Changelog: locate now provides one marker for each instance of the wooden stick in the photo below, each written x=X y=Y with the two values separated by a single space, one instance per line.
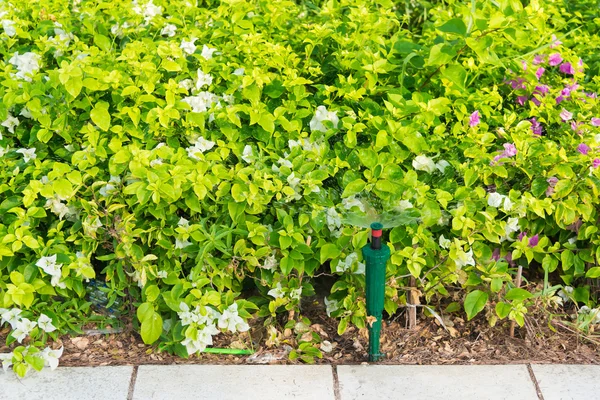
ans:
x=412 y=301
x=518 y=284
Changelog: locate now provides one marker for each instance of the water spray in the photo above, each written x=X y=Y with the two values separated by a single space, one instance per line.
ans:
x=376 y=257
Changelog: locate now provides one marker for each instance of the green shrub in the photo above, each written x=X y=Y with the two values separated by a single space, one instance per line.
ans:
x=205 y=160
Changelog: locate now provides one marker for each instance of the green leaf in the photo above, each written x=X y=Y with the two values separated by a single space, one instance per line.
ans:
x=456 y=74
x=430 y=213
x=593 y=272
x=455 y=25
x=329 y=251
x=503 y=309
x=475 y=303
x=152 y=293
x=440 y=54
x=518 y=294
x=145 y=311
x=151 y=328
x=102 y=42
x=567 y=259
x=100 y=115
x=353 y=188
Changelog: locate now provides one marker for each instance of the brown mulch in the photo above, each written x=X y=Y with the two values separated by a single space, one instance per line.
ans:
x=460 y=342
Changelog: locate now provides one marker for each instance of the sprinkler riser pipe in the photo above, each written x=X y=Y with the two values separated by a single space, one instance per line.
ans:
x=375 y=260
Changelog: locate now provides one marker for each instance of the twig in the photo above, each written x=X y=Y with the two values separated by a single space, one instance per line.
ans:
x=413 y=300
x=518 y=284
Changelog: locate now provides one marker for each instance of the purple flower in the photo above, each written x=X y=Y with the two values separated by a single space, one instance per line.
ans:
x=552 y=181
x=554 y=59
x=555 y=42
x=566 y=115
x=596 y=163
x=508 y=258
x=509 y=150
x=521 y=100
x=537 y=60
x=559 y=99
x=496 y=254
x=536 y=127
x=592 y=95
x=474 y=118
x=536 y=101
x=575 y=126
x=518 y=83
x=521 y=235
x=575 y=226
x=542 y=89
x=540 y=71
x=583 y=148
x=595 y=121
x=534 y=240
x=566 y=68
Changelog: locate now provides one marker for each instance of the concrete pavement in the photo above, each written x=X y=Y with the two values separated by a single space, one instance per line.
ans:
x=320 y=382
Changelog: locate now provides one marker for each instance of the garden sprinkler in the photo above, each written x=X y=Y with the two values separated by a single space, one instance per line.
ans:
x=376 y=257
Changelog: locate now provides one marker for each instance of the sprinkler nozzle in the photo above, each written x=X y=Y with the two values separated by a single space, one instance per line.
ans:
x=376 y=231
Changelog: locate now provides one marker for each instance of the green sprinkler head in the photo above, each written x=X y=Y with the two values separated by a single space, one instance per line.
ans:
x=376 y=257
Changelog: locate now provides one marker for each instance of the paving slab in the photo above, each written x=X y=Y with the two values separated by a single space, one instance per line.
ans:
x=433 y=382
x=565 y=382
x=224 y=382
x=68 y=383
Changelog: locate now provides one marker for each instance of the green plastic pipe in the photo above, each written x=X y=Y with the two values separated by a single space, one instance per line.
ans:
x=215 y=350
x=376 y=257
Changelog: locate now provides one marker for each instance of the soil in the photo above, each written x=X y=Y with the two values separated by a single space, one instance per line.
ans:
x=459 y=342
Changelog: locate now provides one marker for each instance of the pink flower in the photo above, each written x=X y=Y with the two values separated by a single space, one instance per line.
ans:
x=509 y=150
x=583 y=148
x=521 y=100
x=539 y=72
x=518 y=83
x=566 y=68
x=537 y=60
x=559 y=99
x=555 y=42
x=534 y=240
x=565 y=115
x=496 y=254
x=595 y=121
x=521 y=236
x=575 y=126
x=474 y=119
x=536 y=127
x=542 y=89
x=536 y=101
x=554 y=59
x=552 y=181
x=596 y=163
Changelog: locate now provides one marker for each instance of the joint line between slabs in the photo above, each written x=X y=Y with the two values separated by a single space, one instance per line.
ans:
x=535 y=382
x=336 y=383
x=132 y=382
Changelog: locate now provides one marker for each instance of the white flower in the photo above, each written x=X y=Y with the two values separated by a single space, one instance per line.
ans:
x=333 y=219
x=423 y=163
x=3 y=150
x=508 y=205
x=231 y=321
x=45 y=323
x=58 y=208
x=351 y=202
x=25 y=112
x=186 y=84
x=348 y=262
x=49 y=266
x=228 y=98
x=11 y=316
x=168 y=30
x=27 y=64
x=28 y=154
x=444 y=243
x=239 y=72
x=441 y=165
x=51 y=357
x=331 y=306
x=188 y=47
x=204 y=338
x=463 y=258
x=9 y=27
x=200 y=146
x=296 y=293
x=207 y=52
x=285 y=163
x=184 y=223
x=565 y=292
x=149 y=10
x=107 y=190
x=10 y=123
x=203 y=80
x=162 y=274
x=270 y=263
x=495 y=199
x=512 y=225
x=292 y=180
x=24 y=327
x=6 y=359
x=404 y=205
x=276 y=292
x=321 y=114
x=247 y=154
x=202 y=101
x=182 y=244
x=156 y=162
